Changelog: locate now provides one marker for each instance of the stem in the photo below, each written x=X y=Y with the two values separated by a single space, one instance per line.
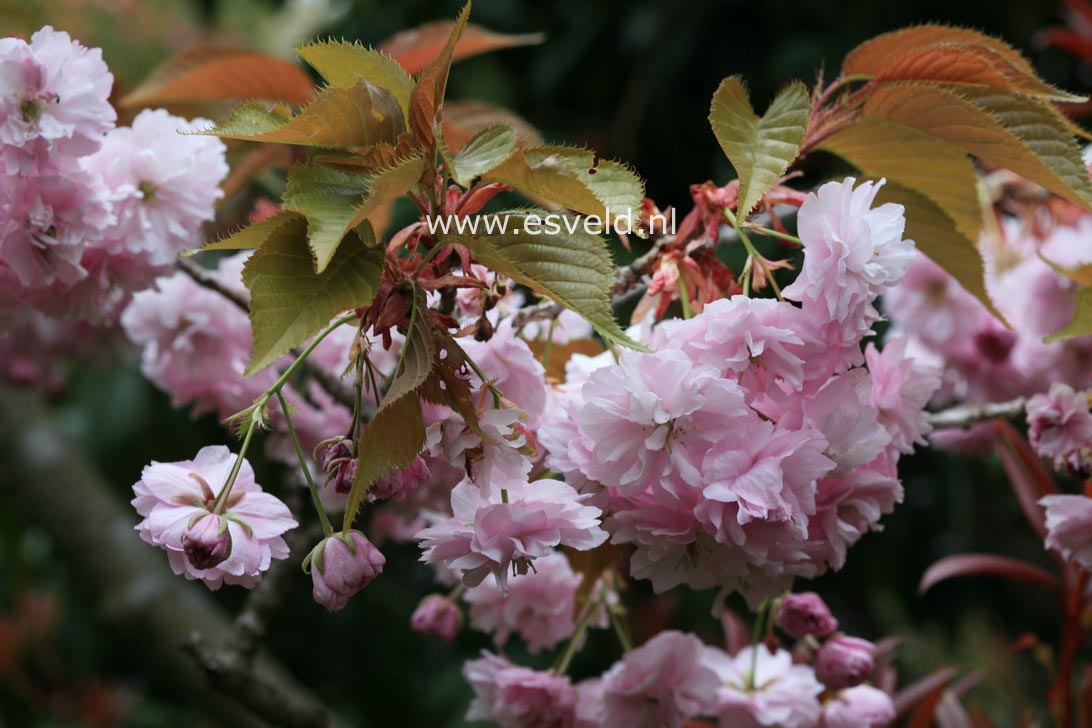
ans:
x=221 y=498
x=327 y=529
x=756 y=639
x=548 y=347
x=578 y=637
x=481 y=375
x=684 y=297
x=775 y=234
x=728 y=214
x=504 y=495
x=287 y=374
x=1062 y=691
x=620 y=630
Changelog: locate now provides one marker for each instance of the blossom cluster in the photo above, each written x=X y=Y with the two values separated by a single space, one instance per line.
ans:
x=674 y=678
x=758 y=442
x=89 y=212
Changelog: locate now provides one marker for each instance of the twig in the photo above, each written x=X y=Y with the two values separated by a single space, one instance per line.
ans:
x=966 y=415
x=333 y=385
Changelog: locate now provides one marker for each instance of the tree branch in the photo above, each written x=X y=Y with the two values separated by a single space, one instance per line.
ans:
x=133 y=590
x=966 y=415
x=336 y=388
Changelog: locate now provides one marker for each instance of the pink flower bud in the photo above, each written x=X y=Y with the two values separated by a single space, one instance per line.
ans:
x=341 y=565
x=844 y=662
x=207 y=542
x=437 y=615
x=805 y=614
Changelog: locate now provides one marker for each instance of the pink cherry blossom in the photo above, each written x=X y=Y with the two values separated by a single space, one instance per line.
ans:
x=843 y=662
x=195 y=346
x=1060 y=427
x=508 y=362
x=162 y=182
x=901 y=387
x=862 y=706
x=805 y=614
x=649 y=421
x=488 y=535
x=660 y=684
x=518 y=697
x=174 y=497
x=437 y=615
x=495 y=462
x=540 y=605
x=851 y=250
x=759 y=688
x=341 y=565
x=1069 y=527
x=931 y=305
x=54 y=103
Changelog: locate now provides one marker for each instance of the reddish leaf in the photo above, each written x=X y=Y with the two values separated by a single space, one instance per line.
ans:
x=986 y=564
x=932 y=684
x=462 y=119
x=870 y=57
x=427 y=97
x=416 y=48
x=1029 y=479
x=219 y=74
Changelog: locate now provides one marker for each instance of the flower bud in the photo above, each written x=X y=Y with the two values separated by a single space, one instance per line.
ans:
x=341 y=565
x=844 y=662
x=437 y=615
x=805 y=614
x=207 y=542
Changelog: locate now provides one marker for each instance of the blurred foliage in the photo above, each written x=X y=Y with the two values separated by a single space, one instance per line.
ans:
x=631 y=80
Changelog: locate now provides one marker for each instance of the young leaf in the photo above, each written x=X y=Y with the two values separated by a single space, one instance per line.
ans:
x=971 y=65
x=428 y=95
x=346 y=64
x=415 y=49
x=483 y=152
x=390 y=440
x=387 y=185
x=570 y=266
x=932 y=167
x=1081 y=323
x=250 y=237
x=1021 y=137
x=449 y=383
x=396 y=434
x=935 y=234
x=327 y=198
x=986 y=564
x=289 y=302
x=760 y=149
x=221 y=74
x=576 y=179
x=358 y=116
x=872 y=56
x=463 y=119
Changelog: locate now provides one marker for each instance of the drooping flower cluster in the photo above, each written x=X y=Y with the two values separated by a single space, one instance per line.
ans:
x=987 y=360
x=754 y=446
x=90 y=213
x=219 y=540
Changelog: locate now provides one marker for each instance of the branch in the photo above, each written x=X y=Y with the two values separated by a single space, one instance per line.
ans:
x=966 y=415
x=131 y=588
x=337 y=389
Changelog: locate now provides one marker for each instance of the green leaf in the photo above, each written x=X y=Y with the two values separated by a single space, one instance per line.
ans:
x=1081 y=323
x=427 y=98
x=328 y=199
x=576 y=179
x=761 y=149
x=1005 y=130
x=916 y=160
x=345 y=64
x=571 y=266
x=250 y=237
x=483 y=152
x=935 y=234
x=396 y=434
x=387 y=185
x=358 y=116
x=335 y=202
x=390 y=440
x=289 y=302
